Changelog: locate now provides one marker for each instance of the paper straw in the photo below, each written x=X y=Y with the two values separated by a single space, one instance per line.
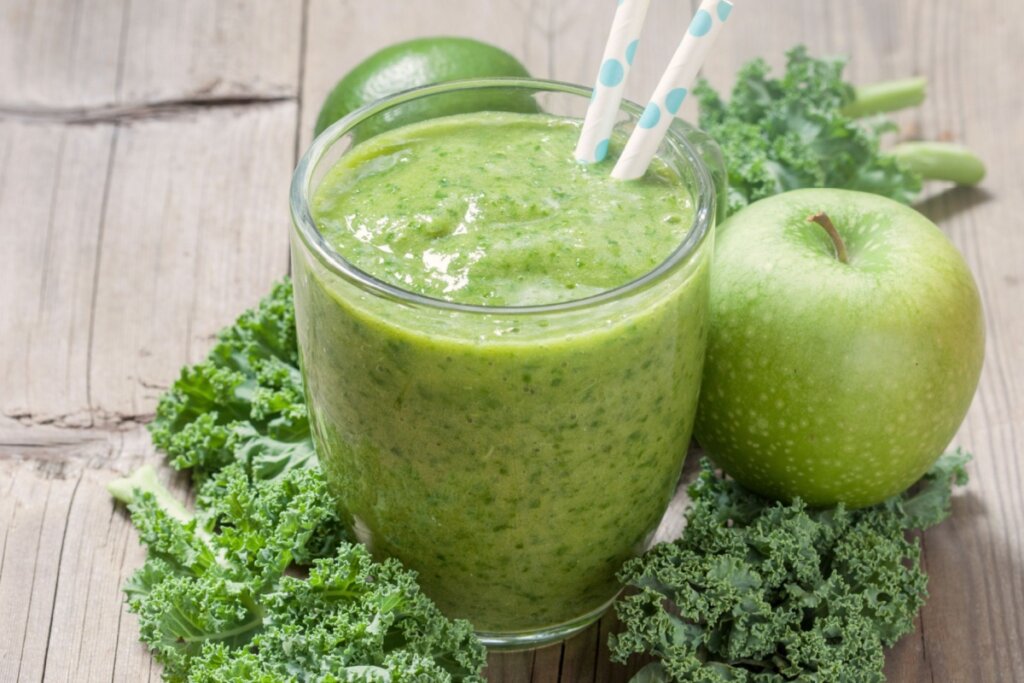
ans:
x=611 y=79
x=672 y=89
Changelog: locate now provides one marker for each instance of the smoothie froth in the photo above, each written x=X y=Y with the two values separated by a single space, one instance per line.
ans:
x=489 y=209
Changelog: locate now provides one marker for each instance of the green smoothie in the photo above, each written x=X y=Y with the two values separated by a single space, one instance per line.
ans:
x=512 y=452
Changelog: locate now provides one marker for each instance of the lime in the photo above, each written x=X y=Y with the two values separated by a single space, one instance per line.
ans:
x=420 y=62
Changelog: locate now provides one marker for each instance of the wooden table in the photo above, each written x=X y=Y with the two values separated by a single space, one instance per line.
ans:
x=145 y=152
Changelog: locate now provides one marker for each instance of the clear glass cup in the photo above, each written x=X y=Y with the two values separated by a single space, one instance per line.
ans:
x=514 y=457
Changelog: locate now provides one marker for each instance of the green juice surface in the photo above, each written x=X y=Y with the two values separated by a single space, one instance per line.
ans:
x=515 y=460
x=495 y=210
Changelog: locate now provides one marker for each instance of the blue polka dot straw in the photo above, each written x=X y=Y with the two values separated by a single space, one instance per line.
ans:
x=672 y=89
x=619 y=52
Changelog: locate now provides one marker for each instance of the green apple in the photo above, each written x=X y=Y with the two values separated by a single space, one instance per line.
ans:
x=832 y=376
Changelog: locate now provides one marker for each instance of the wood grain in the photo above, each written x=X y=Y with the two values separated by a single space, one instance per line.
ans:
x=129 y=239
x=52 y=183
x=66 y=550
x=62 y=57
x=198 y=199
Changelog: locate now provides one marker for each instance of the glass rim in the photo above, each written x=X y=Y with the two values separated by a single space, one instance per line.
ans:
x=302 y=217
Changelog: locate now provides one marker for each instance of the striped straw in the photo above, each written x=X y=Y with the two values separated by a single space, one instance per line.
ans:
x=611 y=79
x=672 y=89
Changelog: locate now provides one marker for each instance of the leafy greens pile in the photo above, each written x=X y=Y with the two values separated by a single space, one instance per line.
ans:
x=805 y=130
x=262 y=583
x=762 y=592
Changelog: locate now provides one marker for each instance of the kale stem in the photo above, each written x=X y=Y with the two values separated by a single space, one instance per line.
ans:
x=886 y=96
x=144 y=480
x=129 y=489
x=822 y=219
x=940 y=161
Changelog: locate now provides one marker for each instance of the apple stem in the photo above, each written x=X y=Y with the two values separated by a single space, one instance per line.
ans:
x=822 y=219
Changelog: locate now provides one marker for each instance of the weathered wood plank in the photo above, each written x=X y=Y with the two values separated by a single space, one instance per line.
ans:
x=547 y=664
x=66 y=552
x=70 y=54
x=98 y=552
x=58 y=53
x=234 y=49
x=195 y=231
x=579 y=656
x=510 y=666
x=130 y=246
x=32 y=554
x=52 y=181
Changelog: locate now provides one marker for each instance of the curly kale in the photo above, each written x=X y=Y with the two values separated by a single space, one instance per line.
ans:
x=802 y=130
x=762 y=592
x=219 y=597
x=245 y=402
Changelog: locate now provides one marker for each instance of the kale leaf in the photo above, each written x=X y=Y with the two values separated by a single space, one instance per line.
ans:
x=792 y=132
x=245 y=402
x=757 y=591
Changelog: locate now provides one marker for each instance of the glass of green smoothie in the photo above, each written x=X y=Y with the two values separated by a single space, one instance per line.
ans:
x=502 y=347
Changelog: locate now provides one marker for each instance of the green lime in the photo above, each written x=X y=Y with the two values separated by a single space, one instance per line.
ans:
x=420 y=62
